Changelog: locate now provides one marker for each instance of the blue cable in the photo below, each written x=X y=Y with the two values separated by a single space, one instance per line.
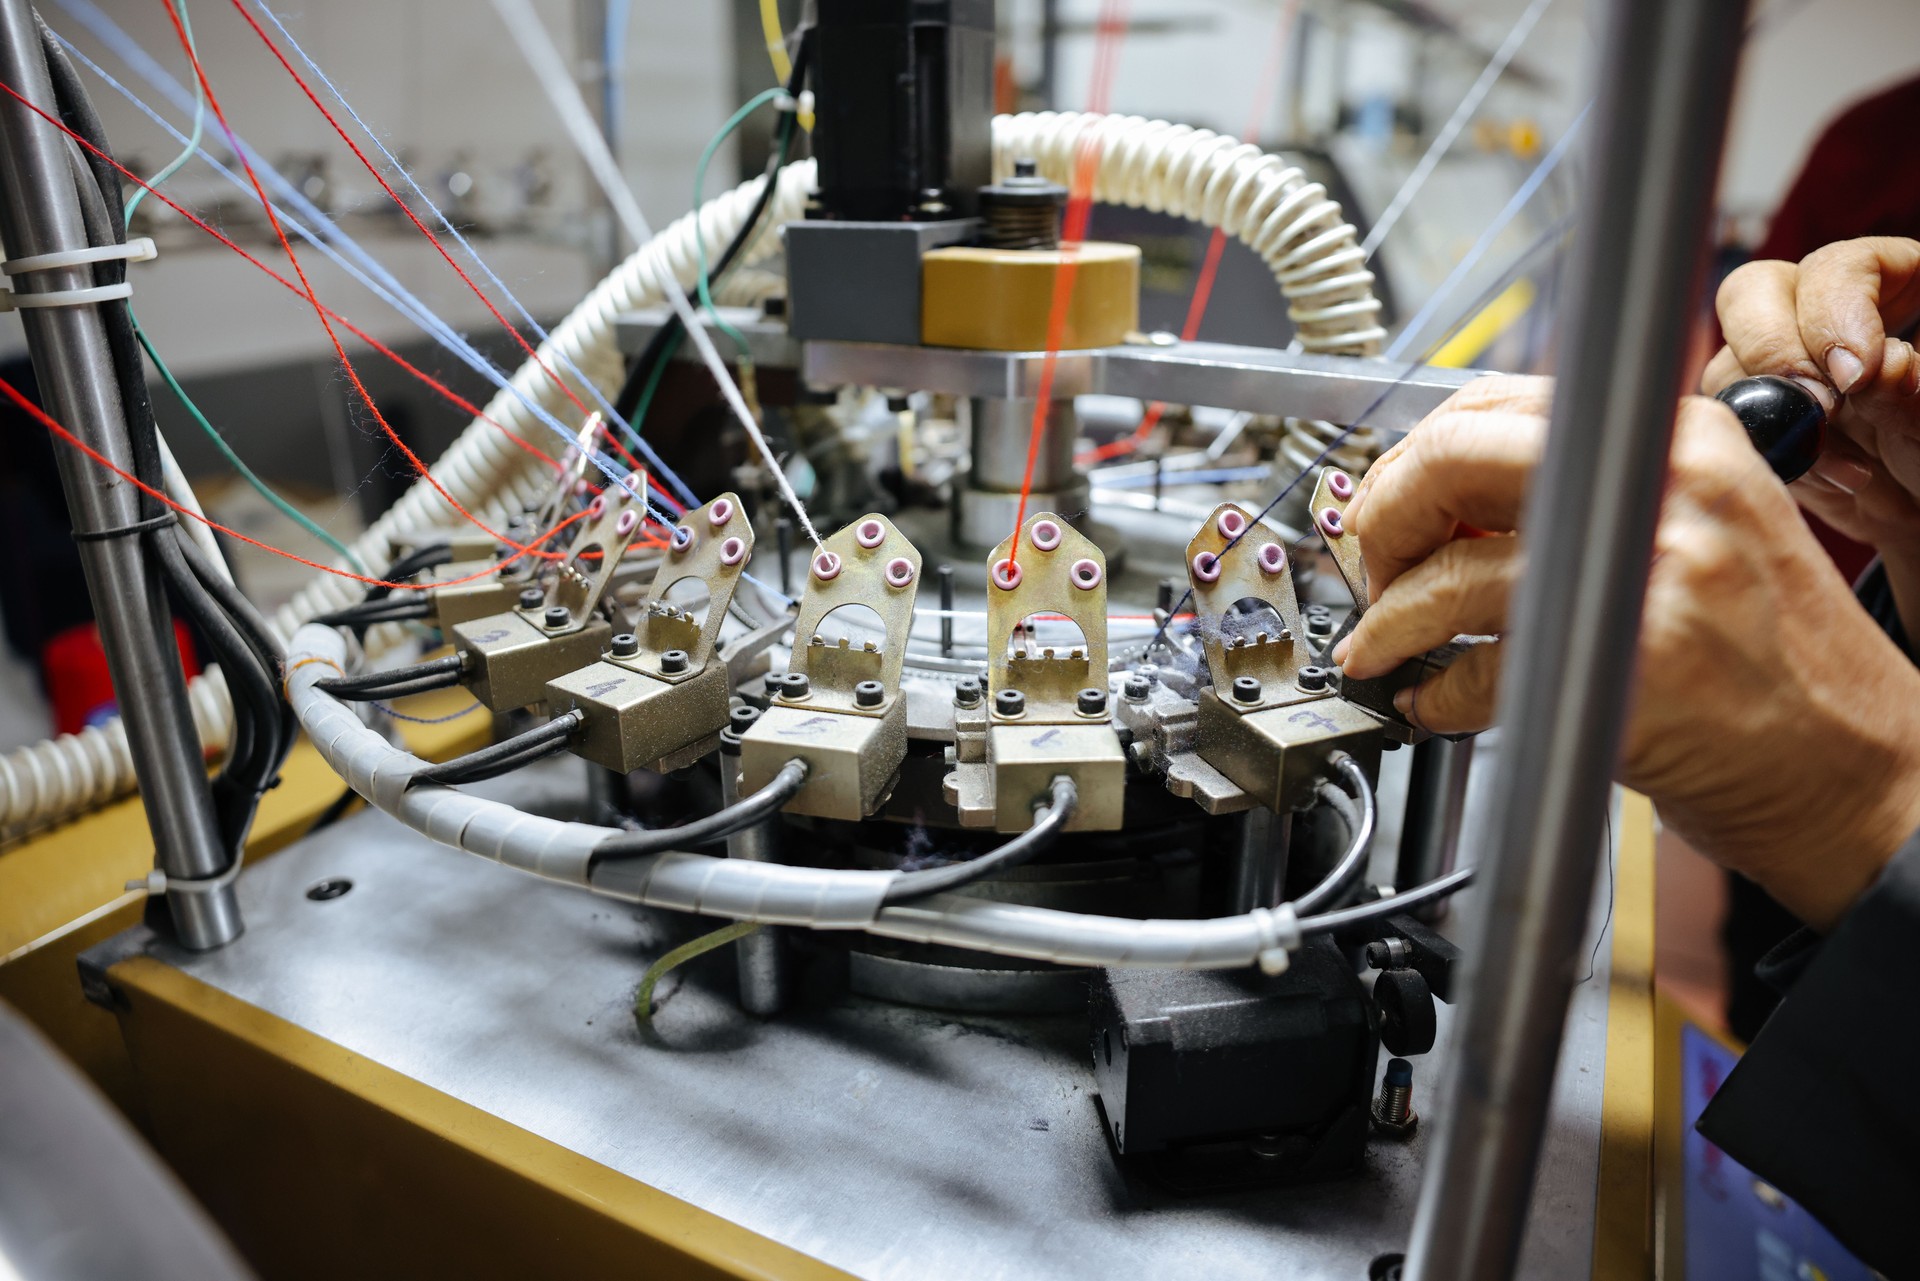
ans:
x=365 y=269
x=395 y=296
x=612 y=415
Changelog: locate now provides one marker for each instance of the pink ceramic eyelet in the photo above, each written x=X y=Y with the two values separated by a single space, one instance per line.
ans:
x=1231 y=523
x=899 y=572
x=870 y=534
x=1273 y=559
x=1331 y=524
x=1007 y=575
x=1206 y=567
x=597 y=508
x=1340 y=485
x=733 y=551
x=682 y=538
x=629 y=520
x=720 y=513
x=1045 y=535
x=1086 y=574
x=826 y=567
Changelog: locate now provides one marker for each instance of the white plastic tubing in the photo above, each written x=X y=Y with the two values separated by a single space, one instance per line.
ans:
x=739 y=888
x=1193 y=173
x=1294 y=225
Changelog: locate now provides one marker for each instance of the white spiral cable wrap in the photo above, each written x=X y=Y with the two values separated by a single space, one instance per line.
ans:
x=491 y=476
x=1296 y=228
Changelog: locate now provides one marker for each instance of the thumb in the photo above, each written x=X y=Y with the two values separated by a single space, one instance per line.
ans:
x=1460 y=700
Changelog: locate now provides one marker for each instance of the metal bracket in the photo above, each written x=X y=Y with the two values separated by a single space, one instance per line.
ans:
x=578 y=583
x=712 y=545
x=1231 y=560
x=1331 y=494
x=1058 y=570
x=870 y=563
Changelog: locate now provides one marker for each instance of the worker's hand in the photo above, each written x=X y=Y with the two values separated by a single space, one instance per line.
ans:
x=1826 y=323
x=1775 y=726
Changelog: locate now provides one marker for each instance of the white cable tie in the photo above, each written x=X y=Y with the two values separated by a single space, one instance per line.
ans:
x=153 y=883
x=10 y=301
x=1279 y=930
x=139 y=249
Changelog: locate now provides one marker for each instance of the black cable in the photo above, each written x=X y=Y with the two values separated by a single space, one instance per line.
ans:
x=1391 y=905
x=418 y=678
x=743 y=813
x=424 y=557
x=1360 y=822
x=1050 y=817
x=267 y=654
x=506 y=755
x=666 y=340
x=360 y=617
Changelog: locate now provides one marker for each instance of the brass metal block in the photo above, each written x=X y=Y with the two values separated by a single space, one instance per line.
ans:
x=1279 y=755
x=461 y=602
x=1026 y=758
x=634 y=720
x=853 y=759
x=1001 y=299
x=510 y=658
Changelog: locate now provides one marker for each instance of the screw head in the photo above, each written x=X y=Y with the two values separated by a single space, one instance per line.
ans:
x=741 y=718
x=795 y=685
x=673 y=662
x=1246 y=689
x=625 y=645
x=557 y=616
x=1313 y=678
x=1010 y=702
x=869 y=694
x=1319 y=624
x=967 y=693
x=331 y=888
x=1137 y=689
x=531 y=597
x=1091 y=702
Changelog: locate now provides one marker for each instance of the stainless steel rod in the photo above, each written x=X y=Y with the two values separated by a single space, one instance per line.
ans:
x=765 y=972
x=39 y=214
x=1663 y=88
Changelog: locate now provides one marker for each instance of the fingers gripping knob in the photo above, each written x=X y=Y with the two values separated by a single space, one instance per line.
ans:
x=1782 y=419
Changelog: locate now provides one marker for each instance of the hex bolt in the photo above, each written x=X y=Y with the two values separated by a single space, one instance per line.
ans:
x=1091 y=702
x=626 y=645
x=1393 y=1112
x=967 y=693
x=673 y=662
x=1010 y=702
x=558 y=616
x=531 y=597
x=796 y=685
x=869 y=694
x=1246 y=689
x=1137 y=689
x=1313 y=679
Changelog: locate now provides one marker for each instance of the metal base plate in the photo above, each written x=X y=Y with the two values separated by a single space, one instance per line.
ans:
x=892 y=1142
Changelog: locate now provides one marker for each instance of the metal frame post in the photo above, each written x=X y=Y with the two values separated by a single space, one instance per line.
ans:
x=1664 y=86
x=39 y=214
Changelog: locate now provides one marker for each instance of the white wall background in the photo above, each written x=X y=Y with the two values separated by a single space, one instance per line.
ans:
x=448 y=93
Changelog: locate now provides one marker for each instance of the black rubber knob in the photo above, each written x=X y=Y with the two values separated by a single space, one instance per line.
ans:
x=1783 y=420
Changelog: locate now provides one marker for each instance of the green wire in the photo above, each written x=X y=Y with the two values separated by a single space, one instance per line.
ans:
x=246 y=473
x=699 y=183
x=260 y=487
x=643 y=997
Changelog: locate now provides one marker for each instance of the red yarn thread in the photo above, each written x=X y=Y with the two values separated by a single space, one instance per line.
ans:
x=413 y=218
x=1112 y=30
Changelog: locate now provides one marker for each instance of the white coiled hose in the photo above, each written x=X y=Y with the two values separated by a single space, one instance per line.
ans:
x=1294 y=225
x=1296 y=228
